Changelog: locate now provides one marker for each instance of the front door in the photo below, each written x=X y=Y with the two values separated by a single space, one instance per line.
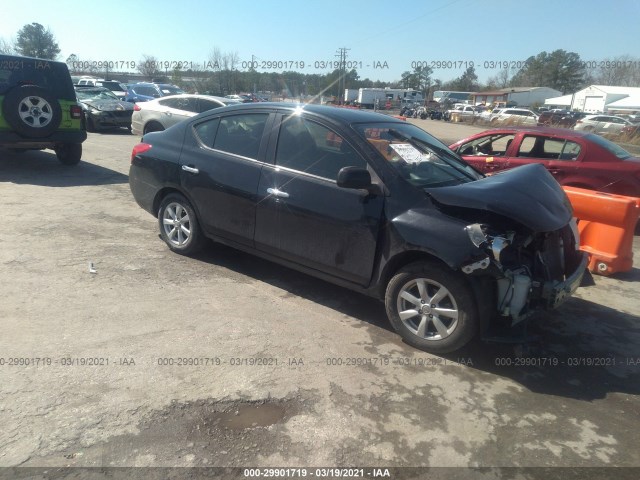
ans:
x=303 y=216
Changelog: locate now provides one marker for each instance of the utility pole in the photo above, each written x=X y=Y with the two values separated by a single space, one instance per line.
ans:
x=253 y=59
x=342 y=53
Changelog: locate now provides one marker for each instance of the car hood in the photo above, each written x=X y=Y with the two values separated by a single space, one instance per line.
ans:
x=109 y=105
x=528 y=194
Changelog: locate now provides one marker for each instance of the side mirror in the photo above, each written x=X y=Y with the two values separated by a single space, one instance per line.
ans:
x=354 y=177
x=358 y=178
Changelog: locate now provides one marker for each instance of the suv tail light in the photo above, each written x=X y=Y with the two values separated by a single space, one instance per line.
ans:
x=138 y=149
x=136 y=108
x=75 y=111
x=579 y=121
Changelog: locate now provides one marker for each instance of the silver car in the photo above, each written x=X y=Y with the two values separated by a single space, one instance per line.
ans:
x=161 y=113
x=519 y=116
x=601 y=124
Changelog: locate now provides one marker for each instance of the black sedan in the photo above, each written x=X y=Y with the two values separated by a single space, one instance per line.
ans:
x=103 y=109
x=368 y=202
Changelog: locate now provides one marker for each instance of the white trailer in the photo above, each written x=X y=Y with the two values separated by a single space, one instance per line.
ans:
x=350 y=95
x=395 y=96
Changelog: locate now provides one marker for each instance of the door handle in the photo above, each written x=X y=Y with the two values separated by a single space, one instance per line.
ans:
x=277 y=193
x=190 y=169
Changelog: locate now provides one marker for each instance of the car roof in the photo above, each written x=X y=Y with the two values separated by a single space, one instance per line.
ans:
x=90 y=88
x=20 y=57
x=194 y=95
x=562 y=132
x=345 y=115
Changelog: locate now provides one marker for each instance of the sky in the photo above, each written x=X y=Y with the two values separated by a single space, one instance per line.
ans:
x=383 y=38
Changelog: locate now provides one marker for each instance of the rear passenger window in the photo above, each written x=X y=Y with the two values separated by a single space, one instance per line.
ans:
x=309 y=147
x=570 y=151
x=241 y=134
x=206 y=131
x=548 y=148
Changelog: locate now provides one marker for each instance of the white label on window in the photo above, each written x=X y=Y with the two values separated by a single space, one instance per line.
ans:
x=409 y=153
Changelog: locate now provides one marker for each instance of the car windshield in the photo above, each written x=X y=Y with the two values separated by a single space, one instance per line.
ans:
x=619 y=152
x=114 y=86
x=93 y=95
x=420 y=159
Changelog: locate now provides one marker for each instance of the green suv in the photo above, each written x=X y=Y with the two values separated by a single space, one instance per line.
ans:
x=39 y=109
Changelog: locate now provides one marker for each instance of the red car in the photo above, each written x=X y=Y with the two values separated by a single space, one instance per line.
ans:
x=575 y=158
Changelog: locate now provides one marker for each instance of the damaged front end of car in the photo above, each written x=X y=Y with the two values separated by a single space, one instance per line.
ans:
x=525 y=238
x=532 y=270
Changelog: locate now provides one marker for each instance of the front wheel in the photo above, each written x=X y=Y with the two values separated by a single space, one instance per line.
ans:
x=432 y=308
x=179 y=227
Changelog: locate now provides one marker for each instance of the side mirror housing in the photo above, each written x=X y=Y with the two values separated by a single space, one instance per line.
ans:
x=358 y=178
x=354 y=177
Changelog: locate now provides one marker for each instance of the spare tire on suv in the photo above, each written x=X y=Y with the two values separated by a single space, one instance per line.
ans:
x=39 y=108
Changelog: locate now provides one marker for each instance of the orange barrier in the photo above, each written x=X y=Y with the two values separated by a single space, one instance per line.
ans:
x=606 y=224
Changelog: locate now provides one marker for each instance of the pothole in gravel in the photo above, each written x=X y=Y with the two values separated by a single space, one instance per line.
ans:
x=249 y=416
x=196 y=433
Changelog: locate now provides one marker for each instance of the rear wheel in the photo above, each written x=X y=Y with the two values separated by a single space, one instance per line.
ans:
x=432 y=308
x=152 y=127
x=69 y=153
x=179 y=227
x=91 y=126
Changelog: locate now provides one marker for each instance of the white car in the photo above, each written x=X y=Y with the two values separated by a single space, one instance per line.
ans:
x=488 y=115
x=161 y=113
x=602 y=124
x=463 y=112
x=520 y=116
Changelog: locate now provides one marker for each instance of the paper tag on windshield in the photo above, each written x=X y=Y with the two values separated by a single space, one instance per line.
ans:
x=409 y=153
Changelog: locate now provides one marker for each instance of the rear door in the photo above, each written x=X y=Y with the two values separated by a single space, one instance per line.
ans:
x=557 y=155
x=221 y=163
x=177 y=109
x=303 y=216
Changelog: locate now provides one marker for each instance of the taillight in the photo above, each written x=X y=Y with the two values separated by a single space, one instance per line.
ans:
x=139 y=149
x=75 y=111
x=579 y=121
x=136 y=108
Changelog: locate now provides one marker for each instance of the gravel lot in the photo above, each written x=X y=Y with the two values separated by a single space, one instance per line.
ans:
x=228 y=360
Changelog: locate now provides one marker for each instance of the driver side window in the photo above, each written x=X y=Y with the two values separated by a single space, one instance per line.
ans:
x=312 y=148
x=494 y=145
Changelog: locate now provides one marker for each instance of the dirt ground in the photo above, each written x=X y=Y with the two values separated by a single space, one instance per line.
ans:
x=116 y=352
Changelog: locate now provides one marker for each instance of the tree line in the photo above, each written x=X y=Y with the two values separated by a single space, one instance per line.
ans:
x=562 y=70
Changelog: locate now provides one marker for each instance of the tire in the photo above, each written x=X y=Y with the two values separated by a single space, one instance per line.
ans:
x=443 y=328
x=69 y=153
x=91 y=126
x=152 y=127
x=175 y=210
x=32 y=111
